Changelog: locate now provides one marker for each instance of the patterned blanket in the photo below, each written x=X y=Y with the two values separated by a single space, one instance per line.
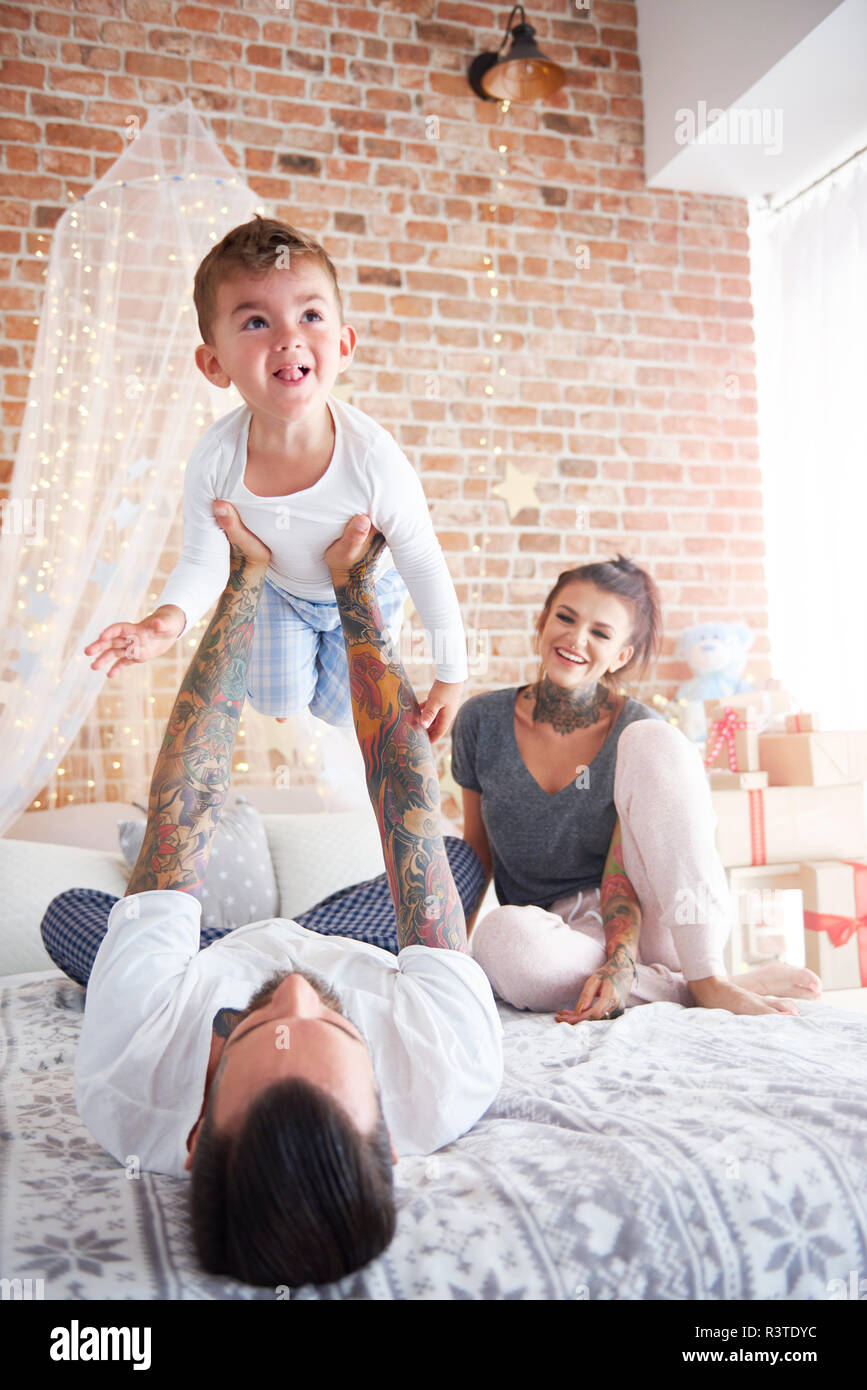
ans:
x=668 y=1154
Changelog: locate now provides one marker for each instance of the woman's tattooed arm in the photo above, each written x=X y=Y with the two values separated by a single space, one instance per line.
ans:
x=621 y=918
x=191 y=777
x=400 y=768
x=607 y=990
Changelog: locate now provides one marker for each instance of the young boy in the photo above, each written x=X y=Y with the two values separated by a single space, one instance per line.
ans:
x=296 y=464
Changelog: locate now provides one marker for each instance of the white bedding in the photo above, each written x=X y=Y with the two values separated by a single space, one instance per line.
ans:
x=668 y=1154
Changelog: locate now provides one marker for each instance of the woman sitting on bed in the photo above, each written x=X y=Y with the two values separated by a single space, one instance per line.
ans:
x=594 y=815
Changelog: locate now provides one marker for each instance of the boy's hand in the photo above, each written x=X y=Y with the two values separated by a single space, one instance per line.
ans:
x=439 y=709
x=125 y=644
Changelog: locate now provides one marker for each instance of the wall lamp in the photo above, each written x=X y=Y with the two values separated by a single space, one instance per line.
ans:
x=524 y=75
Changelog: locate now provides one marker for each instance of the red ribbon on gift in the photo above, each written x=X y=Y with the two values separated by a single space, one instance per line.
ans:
x=842 y=929
x=758 y=850
x=724 y=732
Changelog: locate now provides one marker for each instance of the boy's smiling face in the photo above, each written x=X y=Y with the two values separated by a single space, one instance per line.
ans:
x=270 y=323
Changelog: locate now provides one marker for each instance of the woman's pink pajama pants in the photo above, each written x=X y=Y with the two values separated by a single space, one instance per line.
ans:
x=540 y=959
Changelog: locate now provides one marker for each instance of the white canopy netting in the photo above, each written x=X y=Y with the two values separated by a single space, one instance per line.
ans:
x=115 y=407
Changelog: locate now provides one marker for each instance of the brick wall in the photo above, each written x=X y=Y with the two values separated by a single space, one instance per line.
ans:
x=615 y=361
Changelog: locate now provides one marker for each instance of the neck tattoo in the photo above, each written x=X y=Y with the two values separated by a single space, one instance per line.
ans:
x=567 y=710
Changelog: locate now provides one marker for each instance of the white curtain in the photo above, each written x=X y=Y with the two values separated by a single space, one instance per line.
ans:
x=116 y=403
x=810 y=297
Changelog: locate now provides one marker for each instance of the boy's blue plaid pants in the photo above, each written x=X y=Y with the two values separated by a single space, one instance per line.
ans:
x=298 y=657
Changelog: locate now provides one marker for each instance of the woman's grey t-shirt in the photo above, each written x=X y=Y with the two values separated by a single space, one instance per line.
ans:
x=543 y=847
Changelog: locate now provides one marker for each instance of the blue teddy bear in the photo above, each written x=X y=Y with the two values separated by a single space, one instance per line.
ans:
x=717 y=654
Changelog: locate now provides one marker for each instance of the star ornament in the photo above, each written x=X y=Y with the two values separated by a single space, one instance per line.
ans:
x=125 y=514
x=139 y=468
x=518 y=490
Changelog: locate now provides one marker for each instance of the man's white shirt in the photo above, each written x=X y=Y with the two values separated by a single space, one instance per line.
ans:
x=428 y=1016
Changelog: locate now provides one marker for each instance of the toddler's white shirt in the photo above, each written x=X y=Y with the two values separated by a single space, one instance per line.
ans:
x=428 y=1016
x=368 y=473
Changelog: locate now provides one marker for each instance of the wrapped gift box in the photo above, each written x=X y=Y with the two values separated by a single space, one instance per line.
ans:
x=835 y=922
x=767 y=916
x=732 y=739
x=813 y=759
x=802 y=723
x=772 y=704
x=785 y=824
x=746 y=781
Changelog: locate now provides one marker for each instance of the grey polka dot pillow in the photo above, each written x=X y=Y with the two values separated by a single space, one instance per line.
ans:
x=240 y=885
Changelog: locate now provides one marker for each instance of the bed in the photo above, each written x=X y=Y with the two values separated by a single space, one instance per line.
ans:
x=669 y=1154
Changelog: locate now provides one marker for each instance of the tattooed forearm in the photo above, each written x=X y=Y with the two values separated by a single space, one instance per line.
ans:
x=401 y=772
x=191 y=777
x=621 y=918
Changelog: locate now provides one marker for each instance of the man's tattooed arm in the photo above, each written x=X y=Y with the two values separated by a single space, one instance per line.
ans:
x=191 y=777
x=400 y=768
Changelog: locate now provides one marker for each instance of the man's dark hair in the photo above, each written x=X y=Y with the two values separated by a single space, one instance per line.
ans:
x=296 y=1195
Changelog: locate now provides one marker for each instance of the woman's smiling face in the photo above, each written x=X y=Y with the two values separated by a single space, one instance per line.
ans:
x=586 y=634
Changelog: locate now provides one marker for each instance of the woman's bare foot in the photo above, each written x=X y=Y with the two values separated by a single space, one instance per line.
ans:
x=778 y=978
x=718 y=993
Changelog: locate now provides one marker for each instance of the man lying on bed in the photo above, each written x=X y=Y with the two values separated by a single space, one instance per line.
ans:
x=288 y=1102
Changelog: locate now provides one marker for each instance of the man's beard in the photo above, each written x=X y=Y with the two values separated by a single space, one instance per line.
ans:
x=265 y=992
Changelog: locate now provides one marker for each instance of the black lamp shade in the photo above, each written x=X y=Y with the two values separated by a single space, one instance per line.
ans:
x=524 y=75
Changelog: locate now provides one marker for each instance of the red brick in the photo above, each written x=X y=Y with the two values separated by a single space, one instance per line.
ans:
x=198 y=17
x=16 y=74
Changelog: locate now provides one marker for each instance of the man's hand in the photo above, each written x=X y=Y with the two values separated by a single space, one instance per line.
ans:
x=355 y=552
x=439 y=709
x=238 y=536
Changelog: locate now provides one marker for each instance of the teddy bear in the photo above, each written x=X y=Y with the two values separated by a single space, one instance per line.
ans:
x=717 y=654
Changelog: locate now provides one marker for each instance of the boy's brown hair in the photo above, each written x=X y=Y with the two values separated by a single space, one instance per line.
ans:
x=253 y=248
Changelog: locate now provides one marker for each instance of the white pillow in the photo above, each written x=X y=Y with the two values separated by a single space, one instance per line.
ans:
x=239 y=885
x=32 y=874
x=315 y=855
